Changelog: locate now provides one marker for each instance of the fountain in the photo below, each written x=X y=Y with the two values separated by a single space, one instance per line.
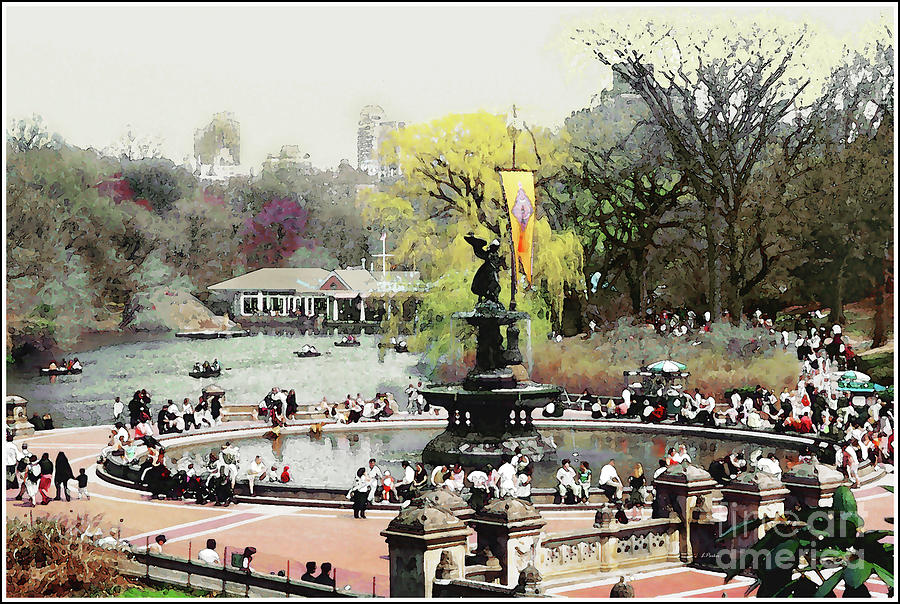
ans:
x=490 y=412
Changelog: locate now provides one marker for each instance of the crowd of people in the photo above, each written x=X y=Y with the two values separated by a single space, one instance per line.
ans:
x=33 y=476
x=280 y=405
x=72 y=364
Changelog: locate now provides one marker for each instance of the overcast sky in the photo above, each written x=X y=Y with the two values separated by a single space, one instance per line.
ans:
x=300 y=74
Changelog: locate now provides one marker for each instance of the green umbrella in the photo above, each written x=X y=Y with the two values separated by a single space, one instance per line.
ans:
x=667 y=367
x=855 y=376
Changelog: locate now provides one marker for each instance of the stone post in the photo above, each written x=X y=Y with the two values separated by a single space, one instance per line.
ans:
x=447 y=500
x=811 y=484
x=689 y=489
x=425 y=542
x=16 y=417
x=509 y=529
x=753 y=495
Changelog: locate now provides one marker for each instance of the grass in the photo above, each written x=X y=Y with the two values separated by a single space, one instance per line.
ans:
x=726 y=358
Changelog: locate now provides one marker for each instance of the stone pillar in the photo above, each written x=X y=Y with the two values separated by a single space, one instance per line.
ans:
x=811 y=484
x=259 y=302
x=753 y=495
x=16 y=417
x=509 y=530
x=688 y=488
x=425 y=542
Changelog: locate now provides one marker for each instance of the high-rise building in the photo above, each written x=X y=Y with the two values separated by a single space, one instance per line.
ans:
x=217 y=148
x=373 y=129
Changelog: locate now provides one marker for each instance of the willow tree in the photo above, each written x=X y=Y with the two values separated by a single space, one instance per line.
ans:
x=449 y=186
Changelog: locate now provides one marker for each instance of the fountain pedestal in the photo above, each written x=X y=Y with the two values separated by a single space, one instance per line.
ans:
x=490 y=412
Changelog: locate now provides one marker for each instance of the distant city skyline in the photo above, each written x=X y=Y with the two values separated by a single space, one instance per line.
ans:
x=299 y=75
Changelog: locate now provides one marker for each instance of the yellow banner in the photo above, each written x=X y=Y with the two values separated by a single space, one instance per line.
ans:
x=518 y=188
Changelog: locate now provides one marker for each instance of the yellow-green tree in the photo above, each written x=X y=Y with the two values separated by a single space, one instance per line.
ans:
x=449 y=187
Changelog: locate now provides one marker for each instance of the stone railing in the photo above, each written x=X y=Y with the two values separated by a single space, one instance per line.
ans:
x=609 y=547
x=228 y=581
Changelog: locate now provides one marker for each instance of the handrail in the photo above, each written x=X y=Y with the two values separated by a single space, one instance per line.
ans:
x=273 y=583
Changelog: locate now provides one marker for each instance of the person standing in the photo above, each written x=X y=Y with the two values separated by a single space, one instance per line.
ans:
x=215 y=408
x=33 y=480
x=411 y=397
x=359 y=493
x=62 y=476
x=506 y=478
x=46 y=467
x=375 y=476
x=13 y=455
x=118 y=408
x=82 y=479
x=187 y=413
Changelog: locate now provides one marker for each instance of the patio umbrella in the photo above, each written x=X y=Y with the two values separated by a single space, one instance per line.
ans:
x=666 y=367
x=860 y=387
x=855 y=376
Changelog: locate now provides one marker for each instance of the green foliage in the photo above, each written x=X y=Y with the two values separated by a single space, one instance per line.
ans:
x=809 y=552
x=449 y=187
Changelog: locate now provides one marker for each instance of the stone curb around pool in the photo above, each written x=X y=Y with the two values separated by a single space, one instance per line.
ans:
x=251 y=429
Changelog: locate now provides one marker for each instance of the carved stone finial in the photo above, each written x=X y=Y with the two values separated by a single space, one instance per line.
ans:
x=447 y=567
x=621 y=590
x=529 y=581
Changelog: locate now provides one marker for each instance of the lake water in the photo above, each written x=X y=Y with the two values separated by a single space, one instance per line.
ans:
x=253 y=366
x=332 y=459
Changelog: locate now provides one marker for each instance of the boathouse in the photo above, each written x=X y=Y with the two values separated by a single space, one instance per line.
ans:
x=352 y=295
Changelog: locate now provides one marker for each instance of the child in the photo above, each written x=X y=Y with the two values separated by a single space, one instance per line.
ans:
x=387 y=486
x=286 y=474
x=82 y=484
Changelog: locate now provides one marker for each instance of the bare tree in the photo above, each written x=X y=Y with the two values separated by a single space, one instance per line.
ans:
x=730 y=106
x=31 y=133
x=132 y=147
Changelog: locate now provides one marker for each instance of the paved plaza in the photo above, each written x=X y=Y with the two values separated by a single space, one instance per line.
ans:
x=290 y=536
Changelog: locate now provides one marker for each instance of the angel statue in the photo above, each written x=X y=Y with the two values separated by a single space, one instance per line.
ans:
x=486 y=284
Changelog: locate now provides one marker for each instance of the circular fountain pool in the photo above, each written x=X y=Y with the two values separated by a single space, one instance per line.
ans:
x=330 y=460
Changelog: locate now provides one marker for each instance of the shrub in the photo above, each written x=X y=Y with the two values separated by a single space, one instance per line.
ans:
x=47 y=558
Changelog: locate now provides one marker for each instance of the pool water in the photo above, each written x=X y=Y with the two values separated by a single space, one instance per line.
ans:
x=331 y=459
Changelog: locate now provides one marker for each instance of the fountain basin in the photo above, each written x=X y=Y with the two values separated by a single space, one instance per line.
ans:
x=484 y=425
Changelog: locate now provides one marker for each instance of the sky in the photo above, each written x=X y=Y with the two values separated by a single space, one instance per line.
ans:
x=299 y=75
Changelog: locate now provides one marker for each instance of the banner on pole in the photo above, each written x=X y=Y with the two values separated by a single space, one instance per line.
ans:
x=518 y=188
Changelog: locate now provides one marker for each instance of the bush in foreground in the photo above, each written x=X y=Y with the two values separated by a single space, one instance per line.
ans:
x=47 y=558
